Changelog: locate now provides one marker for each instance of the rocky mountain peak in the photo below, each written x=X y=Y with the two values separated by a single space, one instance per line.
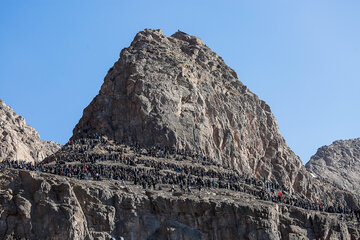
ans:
x=20 y=141
x=175 y=91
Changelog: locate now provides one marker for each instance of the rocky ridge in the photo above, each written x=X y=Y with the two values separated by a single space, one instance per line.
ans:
x=172 y=166
x=20 y=141
x=43 y=206
x=338 y=164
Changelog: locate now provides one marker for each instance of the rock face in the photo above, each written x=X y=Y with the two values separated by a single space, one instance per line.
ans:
x=42 y=206
x=20 y=141
x=339 y=164
x=174 y=91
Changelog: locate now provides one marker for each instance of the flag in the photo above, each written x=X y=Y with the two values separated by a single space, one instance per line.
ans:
x=279 y=194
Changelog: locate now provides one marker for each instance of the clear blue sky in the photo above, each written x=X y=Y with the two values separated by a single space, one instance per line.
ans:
x=301 y=57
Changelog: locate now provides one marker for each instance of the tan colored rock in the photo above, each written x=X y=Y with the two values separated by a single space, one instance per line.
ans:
x=19 y=141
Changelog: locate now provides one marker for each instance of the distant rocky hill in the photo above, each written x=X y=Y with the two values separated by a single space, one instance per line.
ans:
x=174 y=91
x=20 y=141
x=339 y=164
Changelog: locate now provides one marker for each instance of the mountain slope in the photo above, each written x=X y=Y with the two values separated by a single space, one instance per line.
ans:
x=20 y=141
x=339 y=164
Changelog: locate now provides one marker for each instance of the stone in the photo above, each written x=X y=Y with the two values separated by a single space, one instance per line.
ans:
x=338 y=164
x=19 y=141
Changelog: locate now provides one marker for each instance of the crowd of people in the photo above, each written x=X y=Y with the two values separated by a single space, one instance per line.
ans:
x=160 y=168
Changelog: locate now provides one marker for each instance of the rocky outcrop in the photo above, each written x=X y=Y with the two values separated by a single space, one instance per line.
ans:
x=338 y=164
x=20 y=141
x=174 y=91
x=43 y=206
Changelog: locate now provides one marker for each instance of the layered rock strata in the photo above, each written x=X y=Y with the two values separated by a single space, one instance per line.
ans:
x=20 y=141
x=338 y=164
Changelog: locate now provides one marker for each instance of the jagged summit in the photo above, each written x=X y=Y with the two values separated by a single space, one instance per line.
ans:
x=339 y=164
x=192 y=40
x=20 y=141
x=157 y=35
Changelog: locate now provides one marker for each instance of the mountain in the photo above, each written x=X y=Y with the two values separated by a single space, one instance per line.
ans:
x=174 y=146
x=338 y=164
x=20 y=141
x=174 y=91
